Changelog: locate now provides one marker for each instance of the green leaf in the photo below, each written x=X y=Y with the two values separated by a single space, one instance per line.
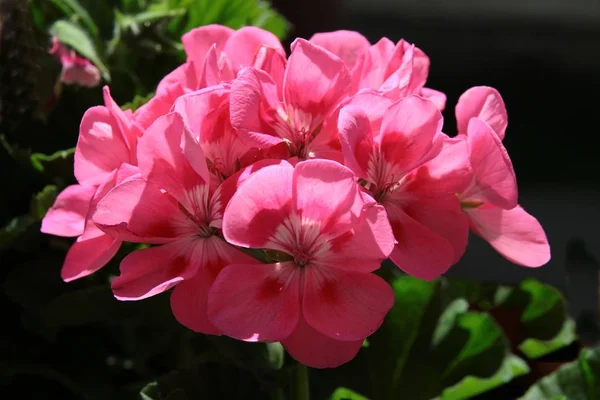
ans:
x=75 y=37
x=137 y=102
x=578 y=380
x=346 y=394
x=150 y=392
x=73 y=7
x=448 y=319
x=534 y=348
x=42 y=201
x=470 y=385
x=38 y=159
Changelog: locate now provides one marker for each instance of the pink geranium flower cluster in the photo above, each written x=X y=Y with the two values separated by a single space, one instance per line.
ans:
x=269 y=188
x=76 y=70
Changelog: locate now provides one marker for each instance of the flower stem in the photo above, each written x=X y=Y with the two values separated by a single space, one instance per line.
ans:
x=300 y=387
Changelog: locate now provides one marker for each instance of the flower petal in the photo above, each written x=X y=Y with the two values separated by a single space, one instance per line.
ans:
x=148 y=272
x=253 y=105
x=409 y=131
x=100 y=149
x=435 y=96
x=514 y=233
x=162 y=160
x=189 y=299
x=315 y=82
x=495 y=178
x=259 y=207
x=356 y=138
x=273 y=62
x=326 y=192
x=242 y=46
x=485 y=103
x=364 y=247
x=124 y=213
x=87 y=256
x=376 y=64
x=420 y=251
x=345 y=305
x=67 y=215
x=316 y=350
x=256 y=302
x=347 y=45
x=198 y=41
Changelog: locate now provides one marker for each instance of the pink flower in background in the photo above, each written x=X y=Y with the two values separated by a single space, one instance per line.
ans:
x=320 y=299
x=76 y=70
x=291 y=103
x=215 y=54
x=414 y=170
x=396 y=70
x=490 y=201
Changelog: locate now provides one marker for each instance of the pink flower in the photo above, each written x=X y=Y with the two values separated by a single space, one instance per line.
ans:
x=104 y=157
x=490 y=201
x=290 y=103
x=215 y=54
x=173 y=205
x=410 y=167
x=319 y=297
x=395 y=70
x=76 y=70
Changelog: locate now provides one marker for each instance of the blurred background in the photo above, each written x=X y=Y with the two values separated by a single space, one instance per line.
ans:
x=542 y=55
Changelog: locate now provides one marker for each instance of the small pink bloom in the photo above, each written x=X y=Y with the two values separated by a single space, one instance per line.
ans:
x=490 y=201
x=76 y=70
x=266 y=112
x=329 y=237
x=414 y=170
x=174 y=205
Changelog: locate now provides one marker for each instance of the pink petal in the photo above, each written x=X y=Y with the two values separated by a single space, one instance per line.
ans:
x=259 y=207
x=162 y=160
x=242 y=46
x=356 y=138
x=100 y=149
x=254 y=101
x=158 y=105
x=256 y=302
x=273 y=62
x=184 y=76
x=495 y=178
x=347 y=45
x=484 y=103
x=326 y=192
x=148 y=272
x=345 y=305
x=436 y=97
x=210 y=73
x=87 y=256
x=514 y=233
x=198 y=41
x=420 y=251
x=448 y=173
x=122 y=121
x=315 y=82
x=376 y=64
x=67 y=215
x=316 y=350
x=364 y=247
x=409 y=130
x=124 y=213
x=189 y=299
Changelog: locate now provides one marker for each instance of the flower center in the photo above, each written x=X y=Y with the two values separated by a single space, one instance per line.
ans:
x=301 y=258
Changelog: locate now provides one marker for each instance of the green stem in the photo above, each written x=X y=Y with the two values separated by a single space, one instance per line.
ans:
x=300 y=387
